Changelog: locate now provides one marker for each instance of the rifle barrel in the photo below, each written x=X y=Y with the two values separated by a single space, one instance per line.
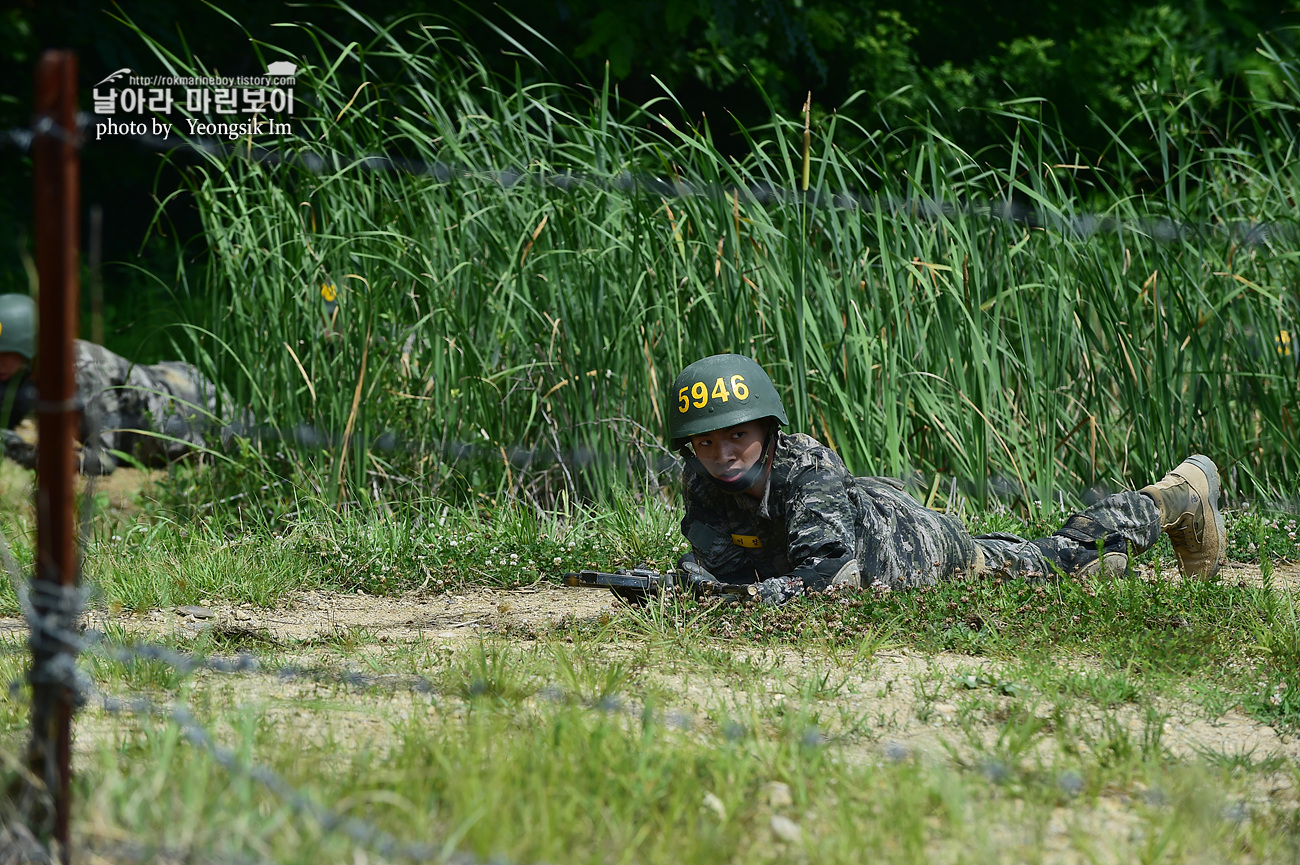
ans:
x=646 y=581
x=650 y=581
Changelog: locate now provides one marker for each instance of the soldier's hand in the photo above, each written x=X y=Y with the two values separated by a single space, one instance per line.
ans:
x=693 y=570
x=703 y=582
x=778 y=590
x=18 y=450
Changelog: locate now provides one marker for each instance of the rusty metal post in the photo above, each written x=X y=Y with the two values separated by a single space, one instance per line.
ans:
x=57 y=172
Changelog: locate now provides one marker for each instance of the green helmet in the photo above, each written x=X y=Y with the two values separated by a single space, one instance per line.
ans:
x=719 y=392
x=18 y=324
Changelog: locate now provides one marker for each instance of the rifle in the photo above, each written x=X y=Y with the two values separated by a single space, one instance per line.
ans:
x=636 y=585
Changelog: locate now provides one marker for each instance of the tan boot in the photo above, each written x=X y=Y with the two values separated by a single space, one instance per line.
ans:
x=1188 y=498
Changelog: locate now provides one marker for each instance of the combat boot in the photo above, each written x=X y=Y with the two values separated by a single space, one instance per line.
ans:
x=1188 y=498
x=1112 y=564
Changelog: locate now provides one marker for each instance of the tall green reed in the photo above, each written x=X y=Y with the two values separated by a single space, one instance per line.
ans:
x=510 y=305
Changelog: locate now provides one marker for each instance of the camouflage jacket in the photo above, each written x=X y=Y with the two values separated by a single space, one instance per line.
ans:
x=154 y=412
x=816 y=525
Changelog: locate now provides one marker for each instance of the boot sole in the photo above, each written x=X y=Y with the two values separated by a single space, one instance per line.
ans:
x=1109 y=565
x=1207 y=467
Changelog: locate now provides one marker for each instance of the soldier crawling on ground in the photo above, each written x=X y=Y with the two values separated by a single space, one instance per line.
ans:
x=782 y=511
x=153 y=413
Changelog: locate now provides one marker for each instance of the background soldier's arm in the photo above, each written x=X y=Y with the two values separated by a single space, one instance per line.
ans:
x=17 y=449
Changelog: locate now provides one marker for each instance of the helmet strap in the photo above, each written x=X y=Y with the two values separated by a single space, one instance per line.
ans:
x=745 y=481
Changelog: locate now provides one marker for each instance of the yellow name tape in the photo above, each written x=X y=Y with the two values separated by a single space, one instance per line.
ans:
x=746 y=541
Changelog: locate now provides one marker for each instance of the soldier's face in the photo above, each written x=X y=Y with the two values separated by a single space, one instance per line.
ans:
x=728 y=453
x=10 y=363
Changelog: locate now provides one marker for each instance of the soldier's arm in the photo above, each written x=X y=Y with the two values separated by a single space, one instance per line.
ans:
x=18 y=450
x=820 y=535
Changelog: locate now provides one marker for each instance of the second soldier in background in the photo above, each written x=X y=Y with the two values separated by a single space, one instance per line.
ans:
x=153 y=413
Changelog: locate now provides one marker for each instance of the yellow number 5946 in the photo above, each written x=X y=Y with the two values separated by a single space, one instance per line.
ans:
x=698 y=394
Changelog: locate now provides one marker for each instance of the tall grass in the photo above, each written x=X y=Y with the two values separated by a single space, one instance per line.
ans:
x=535 y=301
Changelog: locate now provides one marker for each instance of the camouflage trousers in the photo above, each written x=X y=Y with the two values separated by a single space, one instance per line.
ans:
x=908 y=545
x=154 y=413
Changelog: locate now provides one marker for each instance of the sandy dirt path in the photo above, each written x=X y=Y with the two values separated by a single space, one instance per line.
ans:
x=900 y=699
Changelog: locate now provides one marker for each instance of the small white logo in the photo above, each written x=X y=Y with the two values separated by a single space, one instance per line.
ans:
x=282 y=67
x=116 y=75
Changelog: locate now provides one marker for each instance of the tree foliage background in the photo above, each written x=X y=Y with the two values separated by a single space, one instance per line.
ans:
x=882 y=63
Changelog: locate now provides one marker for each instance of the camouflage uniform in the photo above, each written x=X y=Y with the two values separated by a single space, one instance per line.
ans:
x=154 y=413
x=816 y=522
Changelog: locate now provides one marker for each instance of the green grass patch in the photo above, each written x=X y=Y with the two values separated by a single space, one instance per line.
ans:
x=563 y=753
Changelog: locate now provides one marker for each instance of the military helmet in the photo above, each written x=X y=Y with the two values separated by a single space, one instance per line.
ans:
x=719 y=392
x=18 y=324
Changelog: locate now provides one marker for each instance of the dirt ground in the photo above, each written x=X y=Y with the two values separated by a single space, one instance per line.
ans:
x=884 y=691
x=868 y=709
x=120 y=493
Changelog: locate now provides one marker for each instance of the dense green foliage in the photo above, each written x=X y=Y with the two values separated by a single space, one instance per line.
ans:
x=930 y=61
x=950 y=65
x=909 y=60
x=535 y=299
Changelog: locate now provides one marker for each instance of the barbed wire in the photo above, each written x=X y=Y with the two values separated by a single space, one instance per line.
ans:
x=96 y=643
x=243 y=662
x=52 y=612
x=359 y=831
x=117 y=851
x=1082 y=225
